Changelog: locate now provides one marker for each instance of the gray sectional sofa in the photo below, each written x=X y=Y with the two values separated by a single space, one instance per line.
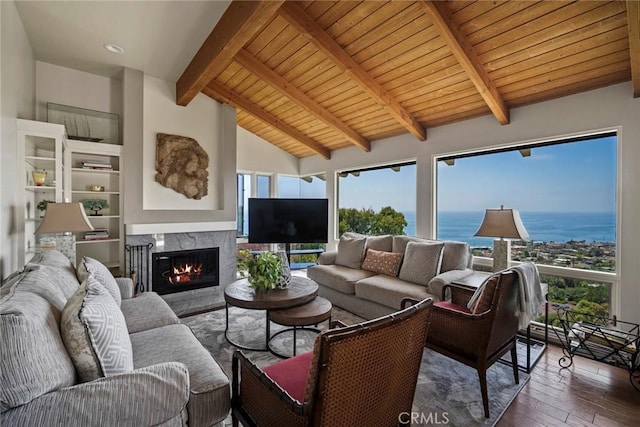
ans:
x=154 y=373
x=370 y=275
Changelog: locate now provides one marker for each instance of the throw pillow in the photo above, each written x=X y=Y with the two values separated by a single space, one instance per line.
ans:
x=95 y=333
x=421 y=262
x=350 y=251
x=455 y=256
x=380 y=243
x=483 y=296
x=92 y=266
x=382 y=262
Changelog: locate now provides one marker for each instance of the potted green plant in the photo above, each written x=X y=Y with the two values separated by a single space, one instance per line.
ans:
x=264 y=270
x=42 y=206
x=95 y=205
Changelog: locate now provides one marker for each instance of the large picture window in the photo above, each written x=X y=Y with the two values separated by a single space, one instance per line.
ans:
x=378 y=200
x=565 y=191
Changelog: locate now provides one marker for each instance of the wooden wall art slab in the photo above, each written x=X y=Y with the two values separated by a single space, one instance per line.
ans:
x=182 y=165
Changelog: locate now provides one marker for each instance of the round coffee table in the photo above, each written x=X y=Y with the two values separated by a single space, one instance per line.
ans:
x=241 y=294
x=300 y=317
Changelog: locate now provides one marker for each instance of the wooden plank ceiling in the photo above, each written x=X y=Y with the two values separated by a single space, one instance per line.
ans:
x=311 y=77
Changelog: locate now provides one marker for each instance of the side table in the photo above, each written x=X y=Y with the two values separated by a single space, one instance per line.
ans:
x=473 y=281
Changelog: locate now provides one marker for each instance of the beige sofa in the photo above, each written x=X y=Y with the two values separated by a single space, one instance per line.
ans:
x=373 y=289
x=154 y=371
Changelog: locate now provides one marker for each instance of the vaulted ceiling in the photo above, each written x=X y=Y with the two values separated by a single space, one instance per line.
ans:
x=311 y=77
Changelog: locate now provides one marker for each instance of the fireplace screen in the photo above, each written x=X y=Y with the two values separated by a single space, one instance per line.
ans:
x=184 y=270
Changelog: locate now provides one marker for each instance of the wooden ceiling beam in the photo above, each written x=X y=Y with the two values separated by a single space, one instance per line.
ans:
x=305 y=25
x=633 y=25
x=239 y=23
x=221 y=93
x=245 y=59
x=466 y=57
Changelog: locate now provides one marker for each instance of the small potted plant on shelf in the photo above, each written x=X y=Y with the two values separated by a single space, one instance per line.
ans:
x=264 y=269
x=42 y=206
x=95 y=205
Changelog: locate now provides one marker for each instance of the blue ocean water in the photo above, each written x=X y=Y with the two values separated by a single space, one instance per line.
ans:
x=542 y=226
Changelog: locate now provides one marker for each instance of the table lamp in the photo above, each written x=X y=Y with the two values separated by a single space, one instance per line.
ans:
x=63 y=219
x=505 y=224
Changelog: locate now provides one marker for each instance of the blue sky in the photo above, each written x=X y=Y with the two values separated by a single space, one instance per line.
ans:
x=571 y=177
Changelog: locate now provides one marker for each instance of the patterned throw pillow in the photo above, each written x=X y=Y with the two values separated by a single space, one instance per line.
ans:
x=382 y=262
x=94 y=267
x=485 y=297
x=95 y=333
x=350 y=251
x=421 y=262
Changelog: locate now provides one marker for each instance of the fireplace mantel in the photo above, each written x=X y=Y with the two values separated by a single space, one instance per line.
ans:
x=179 y=227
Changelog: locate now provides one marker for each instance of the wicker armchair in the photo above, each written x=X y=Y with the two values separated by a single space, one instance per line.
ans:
x=480 y=337
x=364 y=374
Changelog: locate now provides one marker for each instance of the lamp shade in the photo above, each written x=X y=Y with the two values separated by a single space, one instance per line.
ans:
x=503 y=223
x=64 y=217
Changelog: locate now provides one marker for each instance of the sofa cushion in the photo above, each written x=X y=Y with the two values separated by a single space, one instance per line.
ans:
x=451 y=306
x=92 y=266
x=421 y=262
x=338 y=277
x=33 y=358
x=382 y=262
x=292 y=374
x=147 y=311
x=209 y=398
x=36 y=279
x=53 y=258
x=379 y=243
x=455 y=256
x=95 y=333
x=350 y=251
x=399 y=244
x=389 y=291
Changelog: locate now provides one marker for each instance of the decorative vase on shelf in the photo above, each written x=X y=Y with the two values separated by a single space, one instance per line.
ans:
x=39 y=177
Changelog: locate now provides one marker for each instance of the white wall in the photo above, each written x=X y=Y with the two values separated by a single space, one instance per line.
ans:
x=67 y=86
x=608 y=108
x=198 y=120
x=17 y=100
x=257 y=155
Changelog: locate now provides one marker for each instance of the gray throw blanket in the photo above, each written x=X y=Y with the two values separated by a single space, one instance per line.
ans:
x=530 y=297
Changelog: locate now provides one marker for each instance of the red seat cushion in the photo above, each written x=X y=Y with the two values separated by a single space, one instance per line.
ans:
x=291 y=374
x=452 y=306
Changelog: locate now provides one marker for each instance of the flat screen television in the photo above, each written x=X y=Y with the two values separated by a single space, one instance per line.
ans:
x=288 y=220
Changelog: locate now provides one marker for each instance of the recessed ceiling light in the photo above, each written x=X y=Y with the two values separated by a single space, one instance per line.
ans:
x=113 y=48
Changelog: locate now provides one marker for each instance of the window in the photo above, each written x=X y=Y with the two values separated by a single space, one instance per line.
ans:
x=378 y=200
x=309 y=187
x=244 y=188
x=242 y=200
x=565 y=191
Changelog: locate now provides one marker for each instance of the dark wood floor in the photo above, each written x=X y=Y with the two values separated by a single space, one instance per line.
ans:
x=589 y=393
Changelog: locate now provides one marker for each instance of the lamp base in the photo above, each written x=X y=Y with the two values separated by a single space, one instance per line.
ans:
x=66 y=243
x=501 y=254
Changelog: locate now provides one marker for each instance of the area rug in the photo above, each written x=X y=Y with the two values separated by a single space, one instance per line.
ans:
x=447 y=392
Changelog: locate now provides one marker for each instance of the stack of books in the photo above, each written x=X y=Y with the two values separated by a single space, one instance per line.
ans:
x=96 y=165
x=97 y=234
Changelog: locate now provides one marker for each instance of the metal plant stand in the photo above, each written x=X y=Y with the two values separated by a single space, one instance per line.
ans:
x=602 y=339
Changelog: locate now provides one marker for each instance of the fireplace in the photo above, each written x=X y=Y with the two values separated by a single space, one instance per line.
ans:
x=183 y=270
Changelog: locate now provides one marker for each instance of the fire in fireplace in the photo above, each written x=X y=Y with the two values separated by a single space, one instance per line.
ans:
x=178 y=271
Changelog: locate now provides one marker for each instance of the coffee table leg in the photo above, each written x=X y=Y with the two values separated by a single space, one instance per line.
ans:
x=243 y=347
x=294 y=340
x=268 y=331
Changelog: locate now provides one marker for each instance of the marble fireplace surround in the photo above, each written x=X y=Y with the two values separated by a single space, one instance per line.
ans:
x=182 y=236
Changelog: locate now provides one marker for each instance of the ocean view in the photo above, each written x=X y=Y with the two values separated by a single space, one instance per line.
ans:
x=542 y=226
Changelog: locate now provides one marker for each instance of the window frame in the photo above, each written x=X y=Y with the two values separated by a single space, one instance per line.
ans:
x=611 y=278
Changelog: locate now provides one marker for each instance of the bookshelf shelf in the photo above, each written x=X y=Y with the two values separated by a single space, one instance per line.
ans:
x=610 y=341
